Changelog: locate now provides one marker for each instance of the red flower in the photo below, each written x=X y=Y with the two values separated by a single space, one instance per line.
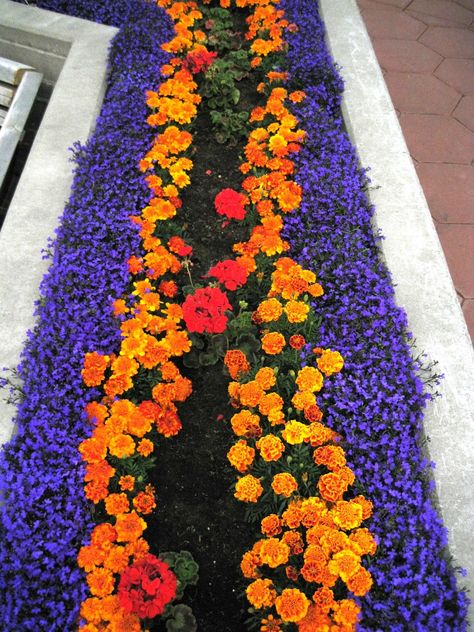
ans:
x=230 y=203
x=146 y=587
x=198 y=61
x=230 y=273
x=204 y=310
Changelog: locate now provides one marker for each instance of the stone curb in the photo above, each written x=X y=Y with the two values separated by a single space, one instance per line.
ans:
x=72 y=53
x=423 y=285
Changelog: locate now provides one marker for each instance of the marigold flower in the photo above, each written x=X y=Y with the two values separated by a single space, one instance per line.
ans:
x=302 y=400
x=296 y=311
x=269 y=310
x=103 y=535
x=126 y=482
x=331 y=456
x=168 y=423
x=345 y=564
x=249 y=565
x=309 y=379
x=100 y=472
x=297 y=341
x=95 y=365
x=292 y=605
x=347 y=514
x=360 y=583
x=91 y=610
x=250 y=394
x=295 y=432
x=366 y=505
x=270 y=624
x=271 y=525
x=101 y=582
x=241 y=456
x=319 y=434
x=90 y=556
x=116 y=559
x=261 y=593
x=121 y=446
x=363 y=542
x=330 y=362
x=145 y=447
x=116 y=504
x=294 y=541
x=332 y=486
x=110 y=607
x=144 y=502
x=313 y=413
x=346 y=612
x=293 y=515
x=271 y=405
x=129 y=527
x=273 y=552
x=273 y=343
x=324 y=600
x=246 y=424
x=265 y=377
x=284 y=484
x=270 y=447
x=236 y=363
x=93 y=450
x=248 y=489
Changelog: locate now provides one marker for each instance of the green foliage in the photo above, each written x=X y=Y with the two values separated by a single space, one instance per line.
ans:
x=221 y=36
x=181 y=619
x=184 y=566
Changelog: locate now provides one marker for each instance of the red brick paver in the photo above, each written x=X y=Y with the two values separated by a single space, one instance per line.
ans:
x=426 y=50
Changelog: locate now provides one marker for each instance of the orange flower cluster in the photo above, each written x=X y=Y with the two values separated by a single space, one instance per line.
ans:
x=153 y=334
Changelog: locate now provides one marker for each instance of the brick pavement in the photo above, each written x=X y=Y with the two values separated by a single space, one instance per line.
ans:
x=426 y=51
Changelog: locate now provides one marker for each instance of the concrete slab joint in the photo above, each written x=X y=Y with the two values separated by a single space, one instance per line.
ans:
x=72 y=55
x=423 y=285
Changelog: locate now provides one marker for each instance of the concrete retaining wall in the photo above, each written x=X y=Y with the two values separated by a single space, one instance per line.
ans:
x=72 y=54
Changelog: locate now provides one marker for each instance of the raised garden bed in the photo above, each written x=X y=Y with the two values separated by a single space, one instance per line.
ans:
x=375 y=403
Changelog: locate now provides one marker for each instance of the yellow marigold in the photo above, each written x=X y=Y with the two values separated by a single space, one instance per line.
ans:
x=284 y=484
x=246 y=424
x=273 y=552
x=296 y=311
x=101 y=582
x=236 y=363
x=302 y=400
x=363 y=542
x=250 y=394
x=347 y=514
x=346 y=613
x=129 y=527
x=332 y=456
x=330 y=362
x=241 y=456
x=116 y=504
x=270 y=447
x=248 y=489
x=121 y=446
x=345 y=564
x=360 y=583
x=273 y=343
x=265 y=377
x=295 y=432
x=292 y=605
x=269 y=310
x=261 y=593
x=271 y=525
x=309 y=379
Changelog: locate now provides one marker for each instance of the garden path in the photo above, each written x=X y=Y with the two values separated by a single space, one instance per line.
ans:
x=426 y=51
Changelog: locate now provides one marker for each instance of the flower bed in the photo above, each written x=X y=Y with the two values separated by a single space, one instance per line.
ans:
x=375 y=403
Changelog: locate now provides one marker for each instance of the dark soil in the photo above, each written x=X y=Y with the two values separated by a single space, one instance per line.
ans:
x=194 y=480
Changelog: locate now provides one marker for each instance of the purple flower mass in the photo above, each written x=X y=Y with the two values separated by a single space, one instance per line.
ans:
x=376 y=403
x=45 y=518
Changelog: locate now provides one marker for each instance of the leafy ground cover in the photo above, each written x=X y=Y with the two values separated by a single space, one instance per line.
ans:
x=375 y=403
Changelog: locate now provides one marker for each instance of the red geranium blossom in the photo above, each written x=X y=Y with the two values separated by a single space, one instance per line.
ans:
x=230 y=273
x=199 y=61
x=204 y=310
x=230 y=203
x=146 y=587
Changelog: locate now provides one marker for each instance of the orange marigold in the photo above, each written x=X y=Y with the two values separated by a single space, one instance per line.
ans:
x=271 y=525
x=366 y=505
x=309 y=379
x=332 y=456
x=265 y=377
x=261 y=593
x=121 y=446
x=270 y=447
x=284 y=484
x=248 y=489
x=345 y=564
x=292 y=605
x=249 y=565
x=346 y=612
x=250 y=394
x=273 y=552
x=89 y=557
x=129 y=527
x=246 y=424
x=319 y=434
x=101 y=582
x=241 y=456
x=116 y=504
x=127 y=482
x=347 y=514
x=144 y=502
x=314 y=621
x=145 y=447
x=297 y=341
x=294 y=540
x=330 y=362
x=296 y=311
x=332 y=486
x=360 y=583
x=323 y=599
x=270 y=624
x=273 y=343
x=236 y=363
x=303 y=399
x=363 y=542
x=95 y=365
x=117 y=559
x=103 y=535
x=269 y=310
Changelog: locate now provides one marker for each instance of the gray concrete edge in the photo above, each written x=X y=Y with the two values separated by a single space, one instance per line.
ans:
x=44 y=188
x=422 y=282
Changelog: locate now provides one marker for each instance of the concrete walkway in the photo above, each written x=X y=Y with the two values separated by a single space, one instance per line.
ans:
x=426 y=51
